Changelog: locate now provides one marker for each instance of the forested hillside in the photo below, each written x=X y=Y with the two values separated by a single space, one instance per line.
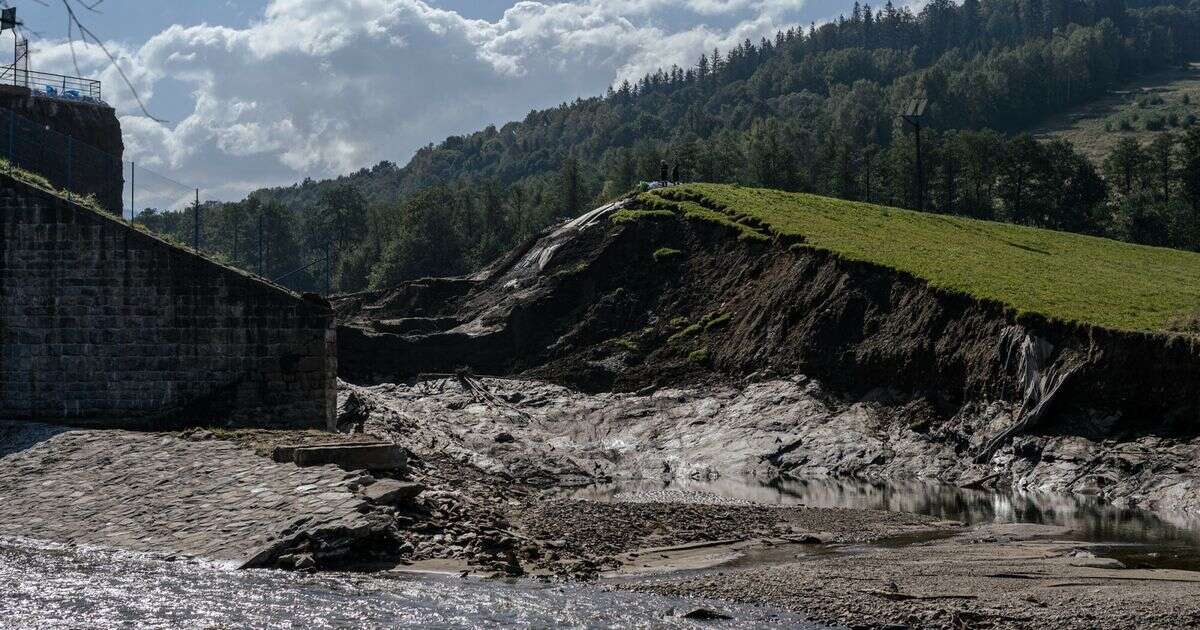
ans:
x=811 y=110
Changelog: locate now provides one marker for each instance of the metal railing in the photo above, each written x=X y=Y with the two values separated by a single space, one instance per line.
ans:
x=53 y=85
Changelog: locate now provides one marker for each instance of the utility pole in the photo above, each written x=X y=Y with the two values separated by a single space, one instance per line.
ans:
x=196 y=226
x=867 y=155
x=132 y=189
x=261 y=266
x=329 y=268
x=912 y=115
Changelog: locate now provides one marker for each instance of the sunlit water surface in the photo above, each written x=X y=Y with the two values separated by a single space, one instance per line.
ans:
x=51 y=586
x=44 y=585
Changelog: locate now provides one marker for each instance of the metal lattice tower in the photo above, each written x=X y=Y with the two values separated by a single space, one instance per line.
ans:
x=21 y=61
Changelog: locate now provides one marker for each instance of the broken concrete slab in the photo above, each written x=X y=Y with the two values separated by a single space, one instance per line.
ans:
x=373 y=456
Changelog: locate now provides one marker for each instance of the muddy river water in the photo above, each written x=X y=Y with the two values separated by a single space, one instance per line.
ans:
x=44 y=585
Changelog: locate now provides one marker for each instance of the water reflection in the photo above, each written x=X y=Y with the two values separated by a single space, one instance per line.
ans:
x=1089 y=519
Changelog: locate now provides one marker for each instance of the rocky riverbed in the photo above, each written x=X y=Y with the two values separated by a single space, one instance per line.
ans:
x=491 y=468
x=1003 y=576
x=545 y=435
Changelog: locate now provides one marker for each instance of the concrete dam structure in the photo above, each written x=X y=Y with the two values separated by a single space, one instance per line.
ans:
x=75 y=145
x=102 y=324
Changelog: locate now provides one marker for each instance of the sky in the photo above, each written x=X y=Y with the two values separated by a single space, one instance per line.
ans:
x=254 y=93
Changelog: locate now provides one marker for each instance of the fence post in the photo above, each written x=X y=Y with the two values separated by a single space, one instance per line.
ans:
x=70 y=150
x=12 y=134
x=261 y=262
x=329 y=268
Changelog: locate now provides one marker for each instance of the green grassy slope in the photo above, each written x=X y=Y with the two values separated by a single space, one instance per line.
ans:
x=1163 y=101
x=1064 y=276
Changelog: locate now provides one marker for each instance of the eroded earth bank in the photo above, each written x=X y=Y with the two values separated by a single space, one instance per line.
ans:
x=581 y=410
x=643 y=342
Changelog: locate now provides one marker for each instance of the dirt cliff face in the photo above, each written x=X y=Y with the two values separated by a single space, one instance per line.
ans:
x=622 y=300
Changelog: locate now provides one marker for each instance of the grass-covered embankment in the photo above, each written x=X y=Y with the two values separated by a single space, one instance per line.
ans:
x=1060 y=275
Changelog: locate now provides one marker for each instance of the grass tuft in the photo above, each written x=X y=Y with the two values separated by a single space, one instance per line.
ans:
x=633 y=216
x=685 y=333
x=36 y=180
x=664 y=254
x=716 y=320
x=628 y=346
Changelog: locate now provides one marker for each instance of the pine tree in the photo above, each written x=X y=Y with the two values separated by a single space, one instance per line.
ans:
x=1189 y=166
x=570 y=188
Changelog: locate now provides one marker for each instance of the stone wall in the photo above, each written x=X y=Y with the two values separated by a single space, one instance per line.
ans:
x=102 y=324
x=34 y=133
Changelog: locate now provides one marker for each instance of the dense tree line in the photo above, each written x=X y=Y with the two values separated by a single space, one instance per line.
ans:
x=809 y=110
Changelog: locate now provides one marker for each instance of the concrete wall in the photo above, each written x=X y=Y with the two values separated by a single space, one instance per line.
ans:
x=36 y=139
x=101 y=324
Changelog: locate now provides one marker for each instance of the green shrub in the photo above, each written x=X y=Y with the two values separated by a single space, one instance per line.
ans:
x=711 y=323
x=628 y=346
x=685 y=333
x=698 y=357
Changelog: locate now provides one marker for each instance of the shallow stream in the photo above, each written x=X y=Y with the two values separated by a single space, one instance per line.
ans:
x=1139 y=538
x=52 y=586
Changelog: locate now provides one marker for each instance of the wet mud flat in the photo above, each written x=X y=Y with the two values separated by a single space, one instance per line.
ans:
x=1097 y=566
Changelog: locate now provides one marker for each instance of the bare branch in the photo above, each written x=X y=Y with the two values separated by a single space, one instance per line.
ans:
x=85 y=33
x=71 y=43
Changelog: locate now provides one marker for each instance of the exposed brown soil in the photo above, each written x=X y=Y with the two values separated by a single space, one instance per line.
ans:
x=589 y=307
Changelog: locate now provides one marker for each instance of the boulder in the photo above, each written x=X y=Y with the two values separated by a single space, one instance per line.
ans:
x=704 y=614
x=392 y=492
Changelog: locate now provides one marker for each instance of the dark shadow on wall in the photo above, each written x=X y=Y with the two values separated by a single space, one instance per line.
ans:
x=19 y=436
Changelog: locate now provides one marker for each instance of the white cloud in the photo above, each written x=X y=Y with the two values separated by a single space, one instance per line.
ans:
x=315 y=88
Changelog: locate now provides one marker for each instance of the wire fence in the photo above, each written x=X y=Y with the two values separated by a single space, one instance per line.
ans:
x=52 y=85
x=145 y=189
x=77 y=167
